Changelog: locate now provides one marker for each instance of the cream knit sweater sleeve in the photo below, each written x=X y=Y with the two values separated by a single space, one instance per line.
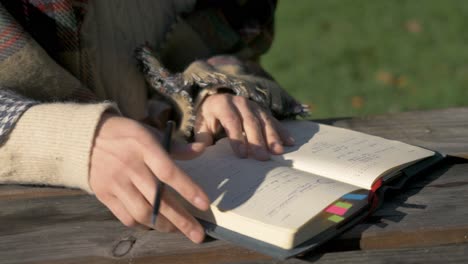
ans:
x=42 y=142
x=51 y=144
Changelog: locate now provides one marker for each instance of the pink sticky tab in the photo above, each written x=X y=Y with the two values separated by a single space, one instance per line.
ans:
x=336 y=210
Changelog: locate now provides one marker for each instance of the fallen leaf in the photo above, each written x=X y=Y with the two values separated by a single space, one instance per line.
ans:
x=384 y=77
x=388 y=78
x=413 y=26
x=357 y=102
x=401 y=81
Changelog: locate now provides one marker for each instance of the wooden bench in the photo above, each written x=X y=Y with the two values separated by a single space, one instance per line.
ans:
x=427 y=222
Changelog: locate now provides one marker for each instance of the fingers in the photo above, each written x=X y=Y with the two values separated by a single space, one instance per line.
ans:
x=179 y=150
x=135 y=203
x=275 y=134
x=250 y=128
x=253 y=129
x=264 y=133
x=203 y=134
x=271 y=134
x=118 y=209
x=184 y=151
x=171 y=213
x=125 y=158
x=231 y=121
x=164 y=225
x=181 y=219
x=284 y=134
x=166 y=170
x=219 y=111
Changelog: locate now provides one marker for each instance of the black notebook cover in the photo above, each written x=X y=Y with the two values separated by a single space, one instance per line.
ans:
x=281 y=253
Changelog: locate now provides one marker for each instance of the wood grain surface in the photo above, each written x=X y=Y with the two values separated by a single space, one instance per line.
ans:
x=427 y=222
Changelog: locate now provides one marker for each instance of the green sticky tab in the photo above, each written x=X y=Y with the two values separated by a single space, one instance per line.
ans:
x=344 y=205
x=336 y=218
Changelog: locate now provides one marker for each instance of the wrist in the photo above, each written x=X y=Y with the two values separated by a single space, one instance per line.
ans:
x=51 y=144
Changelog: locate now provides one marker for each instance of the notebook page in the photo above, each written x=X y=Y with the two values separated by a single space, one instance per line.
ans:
x=265 y=192
x=345 y=155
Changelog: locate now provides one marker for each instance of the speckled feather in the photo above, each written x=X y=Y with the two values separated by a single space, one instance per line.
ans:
x=202 y=78
x=172 y=87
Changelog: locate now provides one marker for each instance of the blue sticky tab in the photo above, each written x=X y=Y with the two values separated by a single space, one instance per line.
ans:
x=354 y=196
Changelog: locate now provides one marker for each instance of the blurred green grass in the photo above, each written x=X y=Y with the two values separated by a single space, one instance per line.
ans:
x=369 y=57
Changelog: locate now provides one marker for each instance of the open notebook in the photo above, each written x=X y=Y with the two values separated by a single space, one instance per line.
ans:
x=317 y=186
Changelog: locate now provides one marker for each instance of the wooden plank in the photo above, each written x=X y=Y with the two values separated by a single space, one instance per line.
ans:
x=447 y=254
x=56 y=225
x=444 y=130
x=78 y=229
x=214 y=256
x=441 y=254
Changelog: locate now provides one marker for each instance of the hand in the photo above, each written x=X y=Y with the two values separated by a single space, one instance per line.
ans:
x=126 y=162
x=238 y=115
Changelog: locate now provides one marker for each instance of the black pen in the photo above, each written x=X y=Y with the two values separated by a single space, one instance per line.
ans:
x=160 y=185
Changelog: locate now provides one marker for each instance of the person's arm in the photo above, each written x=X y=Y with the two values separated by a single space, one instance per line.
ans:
x=252 y=130
x=127 y=160
x=49 y=140
x=43 y=139
x=12 y=106
x=251 y=124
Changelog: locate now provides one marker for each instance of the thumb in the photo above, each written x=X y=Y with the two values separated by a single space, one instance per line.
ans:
x=180 y=150
x=203 y=135
x=185 y=151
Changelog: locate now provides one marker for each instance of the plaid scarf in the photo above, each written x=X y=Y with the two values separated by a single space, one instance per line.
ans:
x=53 y=26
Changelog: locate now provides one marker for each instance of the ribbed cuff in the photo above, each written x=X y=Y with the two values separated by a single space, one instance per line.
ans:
x=51 y=144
